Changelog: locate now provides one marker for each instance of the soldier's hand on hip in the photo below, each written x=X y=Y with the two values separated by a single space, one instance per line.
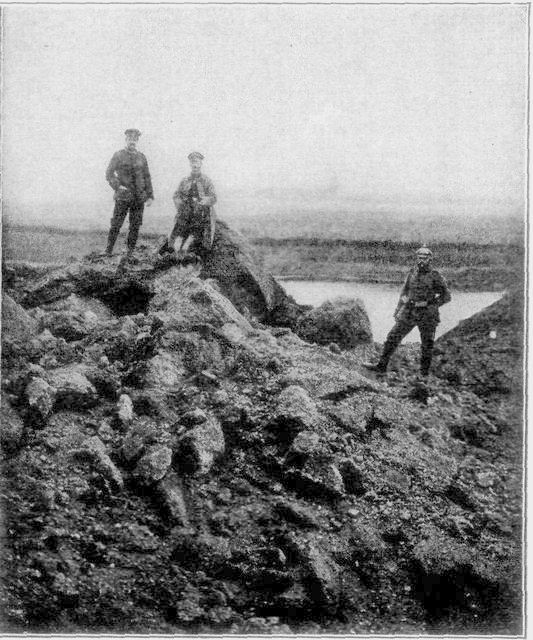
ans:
x=149 y=202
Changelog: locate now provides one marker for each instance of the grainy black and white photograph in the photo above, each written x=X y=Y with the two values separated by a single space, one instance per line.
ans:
x=263 y=283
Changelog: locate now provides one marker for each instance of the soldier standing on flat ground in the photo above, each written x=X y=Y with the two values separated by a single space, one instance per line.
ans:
x=424 y=291
x=194 y=200
x=129 y=177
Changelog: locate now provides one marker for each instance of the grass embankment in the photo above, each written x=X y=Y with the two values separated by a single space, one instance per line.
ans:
x=467 y=266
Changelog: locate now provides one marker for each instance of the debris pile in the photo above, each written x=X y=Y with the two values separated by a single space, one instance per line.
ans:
x=174 y=464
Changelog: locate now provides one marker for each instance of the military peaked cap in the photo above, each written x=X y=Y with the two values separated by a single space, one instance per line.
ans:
x=424 y=251
x=132 y=132
x=195 y=154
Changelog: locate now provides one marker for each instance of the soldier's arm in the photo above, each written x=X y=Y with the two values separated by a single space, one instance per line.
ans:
x=442 y=292
x=404 y=293
x=210 y=197
x=110 y=174
x=176 y=198
x=179 y=196
x=403 y=296
x=148 y=180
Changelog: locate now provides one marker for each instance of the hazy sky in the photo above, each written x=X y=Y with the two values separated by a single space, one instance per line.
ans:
x=401 y=103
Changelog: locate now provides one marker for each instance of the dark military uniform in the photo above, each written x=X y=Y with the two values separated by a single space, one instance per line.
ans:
x=128 y=169
x=423 y=293
x=193 y=218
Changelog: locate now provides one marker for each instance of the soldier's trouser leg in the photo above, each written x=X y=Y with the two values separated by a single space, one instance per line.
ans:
x=187 y=243
x=136 y=220
x=174 y=233
x=119 y=215
x=178 y=231
x=396 y=335
x=427 y=337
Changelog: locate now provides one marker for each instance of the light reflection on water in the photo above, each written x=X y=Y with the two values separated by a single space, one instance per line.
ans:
x=381 y=299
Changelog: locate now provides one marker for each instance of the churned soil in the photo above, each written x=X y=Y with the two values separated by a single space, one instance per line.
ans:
x=173 y=466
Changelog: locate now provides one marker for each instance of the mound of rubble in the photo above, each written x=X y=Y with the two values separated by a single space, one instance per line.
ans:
x=485 y=352
x=171 y=464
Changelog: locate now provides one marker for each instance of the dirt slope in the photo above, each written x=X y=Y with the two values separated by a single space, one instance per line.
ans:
x=187 y=469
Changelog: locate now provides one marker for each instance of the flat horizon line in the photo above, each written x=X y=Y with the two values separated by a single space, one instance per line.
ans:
x=269 y=239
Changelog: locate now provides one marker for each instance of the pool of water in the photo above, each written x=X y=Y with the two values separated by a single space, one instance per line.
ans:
x=381 y=299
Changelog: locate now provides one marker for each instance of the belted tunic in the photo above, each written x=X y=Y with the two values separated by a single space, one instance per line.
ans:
x=192 y=217
x=424 y=291
x=130 y=169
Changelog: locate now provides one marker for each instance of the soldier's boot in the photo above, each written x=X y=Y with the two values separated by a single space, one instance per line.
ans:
x=379 y=367
x=425 y=357
x=395 y=336
x=427 y=335
x=165 y=248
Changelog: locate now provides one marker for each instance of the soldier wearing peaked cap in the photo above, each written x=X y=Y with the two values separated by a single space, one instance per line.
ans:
x=194 y=200
x=129 y=177
x=424 y=291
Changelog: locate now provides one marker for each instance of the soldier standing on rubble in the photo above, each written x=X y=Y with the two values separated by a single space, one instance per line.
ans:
x=194 y=200
x=424 y=291
x=129 y=177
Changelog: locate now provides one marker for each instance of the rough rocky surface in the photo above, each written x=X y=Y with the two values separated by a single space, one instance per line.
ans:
x=124 y=410
x=170 y=494
x=232 y=264
x=154 y=464
x=11 y=426
x=238 y=270
x=257 y=483
x=201 y=446
x=72 y=388
x=39 y=398
x=72 y=318
x=342 y=322
x=17 y=324
x=93 y=450
x=295 y=411
x=484 y=352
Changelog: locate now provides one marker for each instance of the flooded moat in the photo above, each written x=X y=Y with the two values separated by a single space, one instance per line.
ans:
x=380 y=301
